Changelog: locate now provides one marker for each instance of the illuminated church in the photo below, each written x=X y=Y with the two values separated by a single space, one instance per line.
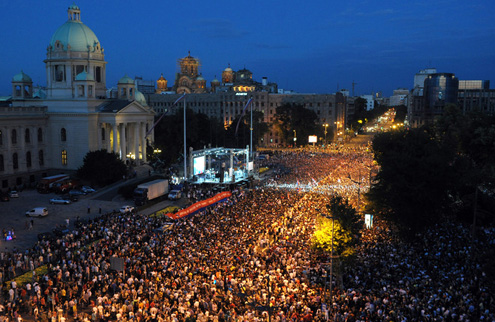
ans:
x=51 y=131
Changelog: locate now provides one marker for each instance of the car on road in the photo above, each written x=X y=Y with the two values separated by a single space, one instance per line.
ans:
x=126 y=209
x=59 y=201
x=75 y=192
x=87 y=189
x=71 y=197
x=37 y=212
x=175 y=195
x=14 y=194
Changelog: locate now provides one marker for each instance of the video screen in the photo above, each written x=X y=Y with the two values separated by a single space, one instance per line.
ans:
x=199 y=165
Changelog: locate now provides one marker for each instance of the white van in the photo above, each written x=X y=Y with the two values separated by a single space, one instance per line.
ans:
x=37 y=212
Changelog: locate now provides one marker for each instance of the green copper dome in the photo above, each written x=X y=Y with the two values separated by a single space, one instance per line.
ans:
x=83 y=76
x=139 y=97
x=74 y=33
x=22 y=78
x=126 y=80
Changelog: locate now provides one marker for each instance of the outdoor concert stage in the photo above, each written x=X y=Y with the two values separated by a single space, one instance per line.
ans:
x=219 y=166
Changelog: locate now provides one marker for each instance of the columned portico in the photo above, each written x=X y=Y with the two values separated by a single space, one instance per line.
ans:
x=123 y=143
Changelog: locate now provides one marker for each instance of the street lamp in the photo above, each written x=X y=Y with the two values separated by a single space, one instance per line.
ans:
x=331 y=256
x=326 y=128
x=295 y=138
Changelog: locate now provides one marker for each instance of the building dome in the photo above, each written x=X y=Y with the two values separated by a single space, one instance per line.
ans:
x=84 y=77
x=228 y=69
x=200 y=78
x=22 y=78
x=126 y=80
x=75 y=34
x=139 y=97
x=215 y=81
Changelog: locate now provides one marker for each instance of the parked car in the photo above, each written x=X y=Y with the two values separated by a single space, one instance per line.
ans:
x=59 y=201
x=14 y=194
x=37 y=212
x=87 y=189
x=175 y=195
x=76 y=192
x=126 y=209
x=71 y=197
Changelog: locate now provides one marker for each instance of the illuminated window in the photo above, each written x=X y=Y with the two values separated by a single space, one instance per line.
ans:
x=63 y=135
x=64 y=157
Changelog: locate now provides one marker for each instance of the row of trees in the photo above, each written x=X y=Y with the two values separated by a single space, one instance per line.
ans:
x=289 y=121
x=441 y=169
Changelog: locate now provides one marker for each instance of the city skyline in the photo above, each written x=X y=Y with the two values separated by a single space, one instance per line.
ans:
x=308 y=49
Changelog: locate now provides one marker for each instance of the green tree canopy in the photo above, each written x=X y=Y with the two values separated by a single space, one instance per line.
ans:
x=415 y=179
x=290 y=118
x=345 y=227
x=102 y=168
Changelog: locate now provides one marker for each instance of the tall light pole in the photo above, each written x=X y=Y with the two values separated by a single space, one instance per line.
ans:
x=326 y=128
x=295 y=138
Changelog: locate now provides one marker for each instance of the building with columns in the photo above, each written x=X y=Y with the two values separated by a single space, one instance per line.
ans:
x=41 y=136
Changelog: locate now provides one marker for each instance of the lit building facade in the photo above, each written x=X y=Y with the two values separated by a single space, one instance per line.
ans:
x=226 y=106
x=52 y=132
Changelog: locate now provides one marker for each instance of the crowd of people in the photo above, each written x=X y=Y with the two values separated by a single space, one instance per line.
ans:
x=250 y=258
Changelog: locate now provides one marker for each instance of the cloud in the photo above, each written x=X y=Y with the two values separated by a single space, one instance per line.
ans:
x=218 y=28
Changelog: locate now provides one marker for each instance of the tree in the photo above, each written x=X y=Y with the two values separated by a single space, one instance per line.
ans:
x=102 y=168
x=415 y=180
x=290 y=118
x=346 y=225
x=241 y=137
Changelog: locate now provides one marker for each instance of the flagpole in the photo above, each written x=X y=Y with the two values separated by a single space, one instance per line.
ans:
x=185 y=149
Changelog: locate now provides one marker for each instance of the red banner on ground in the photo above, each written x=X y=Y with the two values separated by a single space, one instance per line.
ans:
x=200 y=205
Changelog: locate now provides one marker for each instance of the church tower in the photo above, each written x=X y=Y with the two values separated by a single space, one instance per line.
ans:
x=161 y=85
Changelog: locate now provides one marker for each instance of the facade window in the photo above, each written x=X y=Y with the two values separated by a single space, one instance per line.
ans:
x=15 y=161
x=63 y=135
x=41 y=157
x=28 y=159
x=14 y=136
x=1 y=138
x=64 y=157
x=27 y=136
x=40 y=135
x=103 y=134
x=2 y=165
x=59 y=73
x=98 y=74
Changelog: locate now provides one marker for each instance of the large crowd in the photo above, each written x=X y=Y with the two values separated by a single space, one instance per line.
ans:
x=250 y=258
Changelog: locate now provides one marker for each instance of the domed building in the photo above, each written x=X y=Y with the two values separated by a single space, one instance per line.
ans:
x=188 y=79
x=161 y=85
x=51 y=133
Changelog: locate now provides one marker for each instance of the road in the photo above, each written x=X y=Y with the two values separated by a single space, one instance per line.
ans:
x=12 y=213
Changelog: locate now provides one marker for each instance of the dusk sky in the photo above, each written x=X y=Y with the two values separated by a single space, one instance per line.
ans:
x=305 y=46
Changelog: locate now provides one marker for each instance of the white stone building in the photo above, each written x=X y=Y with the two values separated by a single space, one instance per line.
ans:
x=48 y=134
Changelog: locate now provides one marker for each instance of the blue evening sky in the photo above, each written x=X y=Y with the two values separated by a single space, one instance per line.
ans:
x=307 y=46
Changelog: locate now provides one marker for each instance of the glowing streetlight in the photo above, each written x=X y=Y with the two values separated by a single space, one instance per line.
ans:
x=326 y=128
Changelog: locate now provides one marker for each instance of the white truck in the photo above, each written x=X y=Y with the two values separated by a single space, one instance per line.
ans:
x=150 y=190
